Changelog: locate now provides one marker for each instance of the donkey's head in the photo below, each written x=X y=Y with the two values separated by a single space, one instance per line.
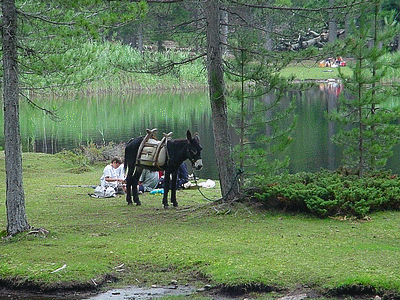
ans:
x=194 y=150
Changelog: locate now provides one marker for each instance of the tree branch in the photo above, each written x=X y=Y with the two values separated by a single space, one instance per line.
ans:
x=50 y=113
x=272 y=7
x=164 y=67
x=45 y=19
x=164 y=1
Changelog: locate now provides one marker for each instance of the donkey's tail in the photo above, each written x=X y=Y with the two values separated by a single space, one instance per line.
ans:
x=129 y=159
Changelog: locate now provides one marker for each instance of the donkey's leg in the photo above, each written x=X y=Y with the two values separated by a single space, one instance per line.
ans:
x=129 y=187
x=173 y=188
x=135 y=182
x=167 y=181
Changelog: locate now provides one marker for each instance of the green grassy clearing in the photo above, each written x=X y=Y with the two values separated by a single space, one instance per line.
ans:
x=198 y=241
x=104 y=77
x=309 y=70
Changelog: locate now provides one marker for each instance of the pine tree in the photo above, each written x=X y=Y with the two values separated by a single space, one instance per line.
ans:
x=370 y=130
x=263 y=122
x=41 y=47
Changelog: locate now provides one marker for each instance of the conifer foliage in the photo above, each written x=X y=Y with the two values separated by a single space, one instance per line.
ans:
x=367 y=110
x=263 y=122
x=36 y=36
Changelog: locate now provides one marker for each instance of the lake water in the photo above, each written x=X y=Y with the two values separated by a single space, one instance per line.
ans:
x=119 y=117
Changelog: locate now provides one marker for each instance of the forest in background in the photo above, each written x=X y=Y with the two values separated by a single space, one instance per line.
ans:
x=283 y=25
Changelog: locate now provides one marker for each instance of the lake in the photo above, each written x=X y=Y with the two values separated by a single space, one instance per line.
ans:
x=119 y=117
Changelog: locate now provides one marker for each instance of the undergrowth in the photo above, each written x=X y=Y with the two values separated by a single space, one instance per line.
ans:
x=91 y=153
x=328 y=193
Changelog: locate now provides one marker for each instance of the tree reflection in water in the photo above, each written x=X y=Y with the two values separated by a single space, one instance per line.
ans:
x=117 y=117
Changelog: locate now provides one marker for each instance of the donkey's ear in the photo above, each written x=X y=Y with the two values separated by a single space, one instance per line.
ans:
x=189 y=135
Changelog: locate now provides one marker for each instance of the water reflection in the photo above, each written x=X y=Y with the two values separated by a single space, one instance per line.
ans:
x=118 y=118
x=312 y=148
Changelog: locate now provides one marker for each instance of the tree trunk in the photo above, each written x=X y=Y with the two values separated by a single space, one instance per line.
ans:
x=332 y=24
x=15 y=198
x=222 y=140
x=268 y=44
x=347 y=26
x=197 y=26
x=398 y=42
x=140 y=38
x=224 y=34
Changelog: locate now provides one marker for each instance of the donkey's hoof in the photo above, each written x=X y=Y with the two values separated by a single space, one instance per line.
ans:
x=175 y=204
x=166 y=206
x=130 y=203
x=138 y=203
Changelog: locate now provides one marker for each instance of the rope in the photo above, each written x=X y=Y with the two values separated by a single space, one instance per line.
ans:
x=239 y=172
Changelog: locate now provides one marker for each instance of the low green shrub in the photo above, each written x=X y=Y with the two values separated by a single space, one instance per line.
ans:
x=88 y=155
x=328 y=193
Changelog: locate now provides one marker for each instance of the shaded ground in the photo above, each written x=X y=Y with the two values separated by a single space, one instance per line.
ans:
x=245 y=291
x=144 y=293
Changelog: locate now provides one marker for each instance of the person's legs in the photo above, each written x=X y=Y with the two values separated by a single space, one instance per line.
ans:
x=140 y=189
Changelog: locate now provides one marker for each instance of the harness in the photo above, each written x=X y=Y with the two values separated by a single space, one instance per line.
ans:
x=153 y=153
x=189 y=155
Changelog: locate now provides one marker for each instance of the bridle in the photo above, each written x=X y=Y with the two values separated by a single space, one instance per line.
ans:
x=190 y=156
x=190 y=153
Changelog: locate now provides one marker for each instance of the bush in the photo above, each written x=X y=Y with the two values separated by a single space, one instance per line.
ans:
x=91 y=153
x=330 y=193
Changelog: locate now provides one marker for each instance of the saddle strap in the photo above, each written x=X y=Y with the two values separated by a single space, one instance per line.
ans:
x=164 y=140
x=149 y=134
x=153 y=149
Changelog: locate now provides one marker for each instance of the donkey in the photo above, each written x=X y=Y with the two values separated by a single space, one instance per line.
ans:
x=177 y=151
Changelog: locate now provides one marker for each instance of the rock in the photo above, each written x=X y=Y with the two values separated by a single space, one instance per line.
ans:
x=294 y=297
x=205 y=288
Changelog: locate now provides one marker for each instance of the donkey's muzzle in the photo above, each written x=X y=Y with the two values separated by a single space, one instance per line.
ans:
x=198 y=164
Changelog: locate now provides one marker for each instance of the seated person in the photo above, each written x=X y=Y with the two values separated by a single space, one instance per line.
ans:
x=148 y=181
x=181 y=179
x=113 y=176
x=183 y=176
x=121 y=171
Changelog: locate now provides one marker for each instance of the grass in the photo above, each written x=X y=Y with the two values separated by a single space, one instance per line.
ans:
x=96 y=63
x=199 y=242
x=101 y=63
x=309 y=70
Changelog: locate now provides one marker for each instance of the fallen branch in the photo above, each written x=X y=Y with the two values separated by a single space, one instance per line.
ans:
x=59 y=269
x=82 y=185
x=41 y=230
